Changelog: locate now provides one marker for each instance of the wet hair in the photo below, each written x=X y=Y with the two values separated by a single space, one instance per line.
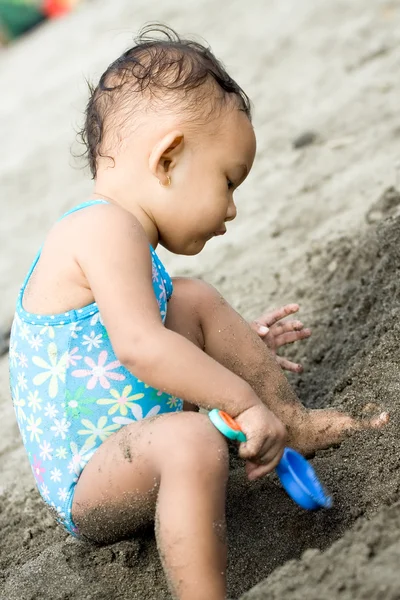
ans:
x=166 y=72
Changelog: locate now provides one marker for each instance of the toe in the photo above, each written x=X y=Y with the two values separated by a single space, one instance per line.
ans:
x=380 y=421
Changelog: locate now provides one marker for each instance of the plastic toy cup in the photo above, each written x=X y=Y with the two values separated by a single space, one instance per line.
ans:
x=295 y=473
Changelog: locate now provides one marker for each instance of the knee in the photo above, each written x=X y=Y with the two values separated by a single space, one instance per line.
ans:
x=197 y=292
x=198 y=446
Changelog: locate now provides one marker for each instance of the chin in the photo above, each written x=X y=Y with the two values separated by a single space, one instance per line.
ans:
x=190 y=249
x=193 y=249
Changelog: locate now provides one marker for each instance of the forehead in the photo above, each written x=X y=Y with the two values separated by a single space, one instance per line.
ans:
x=236 y=136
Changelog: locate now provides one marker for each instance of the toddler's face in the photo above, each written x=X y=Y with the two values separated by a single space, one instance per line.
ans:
x=203 y=182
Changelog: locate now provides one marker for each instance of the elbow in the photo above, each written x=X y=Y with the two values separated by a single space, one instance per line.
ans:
x=138 y=354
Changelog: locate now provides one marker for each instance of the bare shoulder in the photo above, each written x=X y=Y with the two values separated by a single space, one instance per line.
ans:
x=103 y=219
x=103 y=230
x=96 y=243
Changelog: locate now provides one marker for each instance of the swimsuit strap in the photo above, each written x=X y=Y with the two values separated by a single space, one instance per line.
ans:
x=83 y=205
x=69 y=212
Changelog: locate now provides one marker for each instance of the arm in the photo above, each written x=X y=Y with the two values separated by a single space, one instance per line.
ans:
x=113 y=253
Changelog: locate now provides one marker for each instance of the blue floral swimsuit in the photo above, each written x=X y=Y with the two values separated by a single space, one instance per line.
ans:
x=70 y=392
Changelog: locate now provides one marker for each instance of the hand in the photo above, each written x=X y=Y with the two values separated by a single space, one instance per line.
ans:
x=276 y=334
x=266 y=438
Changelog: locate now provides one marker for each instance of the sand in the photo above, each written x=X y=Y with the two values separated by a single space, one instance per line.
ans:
x=317 y=224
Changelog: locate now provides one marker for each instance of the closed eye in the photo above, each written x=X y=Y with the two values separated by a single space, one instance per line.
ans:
x=230 y=184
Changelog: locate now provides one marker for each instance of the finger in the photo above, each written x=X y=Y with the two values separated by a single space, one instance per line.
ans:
x=272 y=448
x=291 y=337
x=259 y=328
x=257 y=471
x=270 y=317
x=286 y=327
x=289 y=365
x=272 y=457
x=254 y=471
x=252 y=448
x=250 y=466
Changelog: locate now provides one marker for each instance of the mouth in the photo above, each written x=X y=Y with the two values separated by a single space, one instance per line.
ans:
x=220 y=232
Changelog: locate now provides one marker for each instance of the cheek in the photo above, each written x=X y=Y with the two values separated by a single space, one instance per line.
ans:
x=210 y=218
x=216 y=206
x=221 y=209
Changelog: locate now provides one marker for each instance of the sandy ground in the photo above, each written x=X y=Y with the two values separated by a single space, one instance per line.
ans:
x=303 y=233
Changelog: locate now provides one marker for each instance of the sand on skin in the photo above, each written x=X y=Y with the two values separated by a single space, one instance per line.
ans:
x=301 y=235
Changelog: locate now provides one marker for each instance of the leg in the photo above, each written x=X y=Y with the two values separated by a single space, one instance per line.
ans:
x=174 y=466
x=198 y=311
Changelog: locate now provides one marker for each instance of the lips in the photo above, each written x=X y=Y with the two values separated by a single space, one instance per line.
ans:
x=220 y=232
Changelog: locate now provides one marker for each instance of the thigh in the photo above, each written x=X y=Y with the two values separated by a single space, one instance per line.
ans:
x=117 y=490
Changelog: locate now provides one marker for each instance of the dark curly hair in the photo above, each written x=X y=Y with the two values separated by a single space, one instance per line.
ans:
x=171 y=72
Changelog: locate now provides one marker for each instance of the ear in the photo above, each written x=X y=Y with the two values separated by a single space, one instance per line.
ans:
x=165 y=154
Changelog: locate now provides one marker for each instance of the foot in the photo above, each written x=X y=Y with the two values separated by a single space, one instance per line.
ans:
x=321 y=429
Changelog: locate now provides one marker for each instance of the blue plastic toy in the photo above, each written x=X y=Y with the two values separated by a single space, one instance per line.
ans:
x=296 y=474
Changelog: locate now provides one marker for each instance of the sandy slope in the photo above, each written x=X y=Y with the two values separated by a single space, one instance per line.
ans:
x=331 y=67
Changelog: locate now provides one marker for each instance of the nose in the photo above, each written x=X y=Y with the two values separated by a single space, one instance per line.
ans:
x=231 y=212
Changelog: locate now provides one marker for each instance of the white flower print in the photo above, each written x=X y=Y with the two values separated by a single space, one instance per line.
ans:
x=162 y=296
x=13 y=354
x=60 y=511
x=19 y=403
x=61 y=452
x=53 y=370
x=14 y=327
x=72 y=404
x=50 y=410
x=74 y=330
x=46 y=450
x=23 y=360
x=79 y=458
x=35 y=342
x=34 y=401
x=138 y=414
x=22 y=381
x=62 y=493
x=92 y=341
x=17 y=321
x=49 y=330
x=23 y=435
x=60 y=427
x=33 y=427
x=24 y=331
x=45 y=491
x=154 y=272
x=95 y=319
x=55 y=475
x=72 y=357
